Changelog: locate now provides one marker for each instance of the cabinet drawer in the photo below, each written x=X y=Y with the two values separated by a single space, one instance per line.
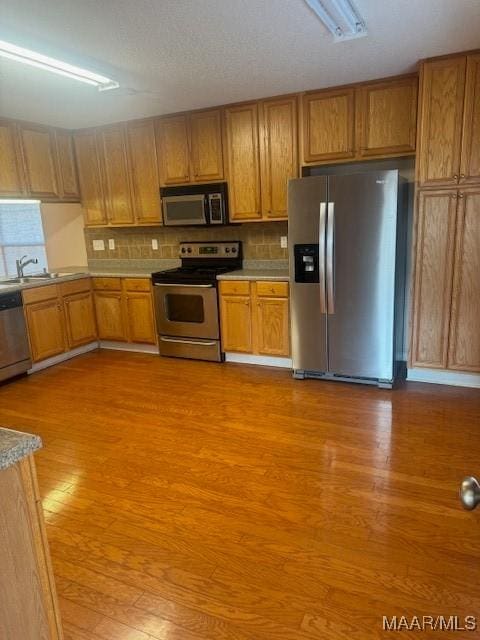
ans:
x=107 y=284
x=272 y=289
x=75 y=286
x=136 y=284
x=39 y=294
x=235 y=287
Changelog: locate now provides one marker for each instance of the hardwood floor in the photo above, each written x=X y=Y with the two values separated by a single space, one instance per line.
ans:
x=197 y=501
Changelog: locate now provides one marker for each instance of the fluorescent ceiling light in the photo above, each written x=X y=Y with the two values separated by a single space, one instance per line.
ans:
x=340 y=17
x=18 y=201
x=34 y=59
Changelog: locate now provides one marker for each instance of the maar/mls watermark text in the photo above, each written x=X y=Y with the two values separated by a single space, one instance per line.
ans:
x=431 y=623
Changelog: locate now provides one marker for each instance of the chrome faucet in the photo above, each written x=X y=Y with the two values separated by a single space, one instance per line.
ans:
x=22 y=263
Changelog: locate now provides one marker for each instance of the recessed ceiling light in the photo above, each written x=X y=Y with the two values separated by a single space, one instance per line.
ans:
x=340 y=17
x=35 y=59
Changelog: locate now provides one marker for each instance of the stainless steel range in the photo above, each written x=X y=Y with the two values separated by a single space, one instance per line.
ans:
x=186 y=300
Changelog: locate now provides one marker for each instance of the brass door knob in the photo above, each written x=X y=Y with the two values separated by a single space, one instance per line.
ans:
x=470 y=493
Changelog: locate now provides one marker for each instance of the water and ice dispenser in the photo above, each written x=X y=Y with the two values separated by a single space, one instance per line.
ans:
x=306 y=263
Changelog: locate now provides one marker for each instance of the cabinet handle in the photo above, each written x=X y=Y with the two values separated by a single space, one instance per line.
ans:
x=462 y=175
x=455 y=178
x=454 y=196
x=461 y=195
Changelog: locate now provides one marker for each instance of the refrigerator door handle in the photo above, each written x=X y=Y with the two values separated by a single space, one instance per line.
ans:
x=321 y=256
x=330 y=258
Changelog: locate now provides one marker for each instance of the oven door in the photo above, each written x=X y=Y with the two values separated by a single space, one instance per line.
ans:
x=184 y=210
x=187 y=310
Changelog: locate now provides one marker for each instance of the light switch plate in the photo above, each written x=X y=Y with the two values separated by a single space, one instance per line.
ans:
x=98 y=245
x=154 y=244
x=111 y=244
x=283 y=242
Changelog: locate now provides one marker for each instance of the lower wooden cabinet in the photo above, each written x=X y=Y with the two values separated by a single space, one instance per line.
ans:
x=46 y=329
x=255 y=317
x=124 y=310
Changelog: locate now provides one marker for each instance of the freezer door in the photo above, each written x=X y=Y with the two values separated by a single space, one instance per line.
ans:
x=307 y=201
x=360 y=268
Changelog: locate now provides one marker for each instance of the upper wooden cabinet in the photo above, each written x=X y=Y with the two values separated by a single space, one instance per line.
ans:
x=328 y=123
x=67 y=169
x=243 y=161
x=90 y=173
x=117 y=176
x=12 y=179
x=470 y=157
x=143 y=171
x=39 y=154
x=387 y=117
x=190 y=147
x=278 y=153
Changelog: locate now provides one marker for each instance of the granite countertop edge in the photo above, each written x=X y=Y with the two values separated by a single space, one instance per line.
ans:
x=15 y=445
x=269 y=275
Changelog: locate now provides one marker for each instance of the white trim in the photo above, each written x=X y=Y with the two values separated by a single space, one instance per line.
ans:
x=266 y=361
x=129 y=346
x=440 y=376
x=49 y=362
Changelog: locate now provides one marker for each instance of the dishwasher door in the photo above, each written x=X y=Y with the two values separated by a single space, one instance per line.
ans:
x=14 y=348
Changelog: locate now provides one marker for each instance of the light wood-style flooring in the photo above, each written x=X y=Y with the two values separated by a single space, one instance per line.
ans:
x=197 y=501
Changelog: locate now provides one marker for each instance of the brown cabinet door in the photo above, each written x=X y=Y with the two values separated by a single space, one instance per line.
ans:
x=144 y=172
x=12 y=182
x=241 y=129
x=470 y=164
x=328 y=119
x=206 y=145
x=278 y=153
x=110 y=316
x=441 y=97
x=435 y=231
x=46 y=329
x=272 y=326
x=80 y=319
x=90 y=177
x=140 y=322
x=173 y=150
x=387 y=117
x=67 y=170
x=39 y=155
x=464 y=350
x=117 y=176
x=236 y=321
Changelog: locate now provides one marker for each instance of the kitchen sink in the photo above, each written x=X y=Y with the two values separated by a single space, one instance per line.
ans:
x=34 y=278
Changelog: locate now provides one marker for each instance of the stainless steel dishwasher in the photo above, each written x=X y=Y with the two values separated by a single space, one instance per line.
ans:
x=14 y=348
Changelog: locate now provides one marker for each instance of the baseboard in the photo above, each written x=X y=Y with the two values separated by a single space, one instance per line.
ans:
x=266 y=361
x=129 y=346
x=440 y=376
x=49 y=362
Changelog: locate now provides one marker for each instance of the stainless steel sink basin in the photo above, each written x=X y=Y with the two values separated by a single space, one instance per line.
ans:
x=33 y=278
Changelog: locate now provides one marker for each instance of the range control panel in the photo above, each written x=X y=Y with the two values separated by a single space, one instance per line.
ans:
x=210 y=250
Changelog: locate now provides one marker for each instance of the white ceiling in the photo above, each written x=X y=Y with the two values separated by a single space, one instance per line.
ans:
x=183 y=54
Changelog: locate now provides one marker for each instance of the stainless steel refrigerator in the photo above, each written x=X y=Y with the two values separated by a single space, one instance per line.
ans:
x=347 y=275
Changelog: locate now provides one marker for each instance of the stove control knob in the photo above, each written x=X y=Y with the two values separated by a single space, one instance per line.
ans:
x=189 y=249
x=183 y=249
x=234 y=250
x=227 y=250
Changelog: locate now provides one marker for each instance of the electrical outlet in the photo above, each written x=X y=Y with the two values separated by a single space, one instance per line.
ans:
x=283 y=242
x=98 y=245
x=154 y=244
x=111 y=244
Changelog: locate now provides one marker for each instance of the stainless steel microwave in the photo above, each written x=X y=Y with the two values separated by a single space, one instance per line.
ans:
x=204 y=205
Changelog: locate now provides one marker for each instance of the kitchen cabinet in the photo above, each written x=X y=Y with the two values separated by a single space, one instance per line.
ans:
x=39 y=155
x=124 y=310
x=464 y=341
x=278 y=153
x=144 y=172
x=79 y=312
x=190 y=147
x=117 y=176
x=328 y=121
x=67 y=169
x=90 y=175
x=386 y=117
x=255 y=317
x=46 y=329
x=12 y=179
x=241 y=132
x=470 y=157
x=29 y=604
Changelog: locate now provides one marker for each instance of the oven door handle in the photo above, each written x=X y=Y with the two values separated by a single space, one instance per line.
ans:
x=203 y=344
x=174 y=284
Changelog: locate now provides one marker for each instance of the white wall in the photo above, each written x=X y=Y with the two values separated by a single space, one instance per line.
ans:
x=64 y=238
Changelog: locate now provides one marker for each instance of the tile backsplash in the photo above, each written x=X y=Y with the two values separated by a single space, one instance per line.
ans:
x=261 y=241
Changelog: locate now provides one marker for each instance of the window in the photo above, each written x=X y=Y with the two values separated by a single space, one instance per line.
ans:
x=21 y=233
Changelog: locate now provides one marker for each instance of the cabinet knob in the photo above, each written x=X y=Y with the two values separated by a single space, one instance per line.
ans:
x=461 y=195
x=455 y=177
x=462 y=175
x=454 y=196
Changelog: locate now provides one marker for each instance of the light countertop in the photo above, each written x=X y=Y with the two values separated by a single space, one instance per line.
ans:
x=15 y=445
x=256 y=274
